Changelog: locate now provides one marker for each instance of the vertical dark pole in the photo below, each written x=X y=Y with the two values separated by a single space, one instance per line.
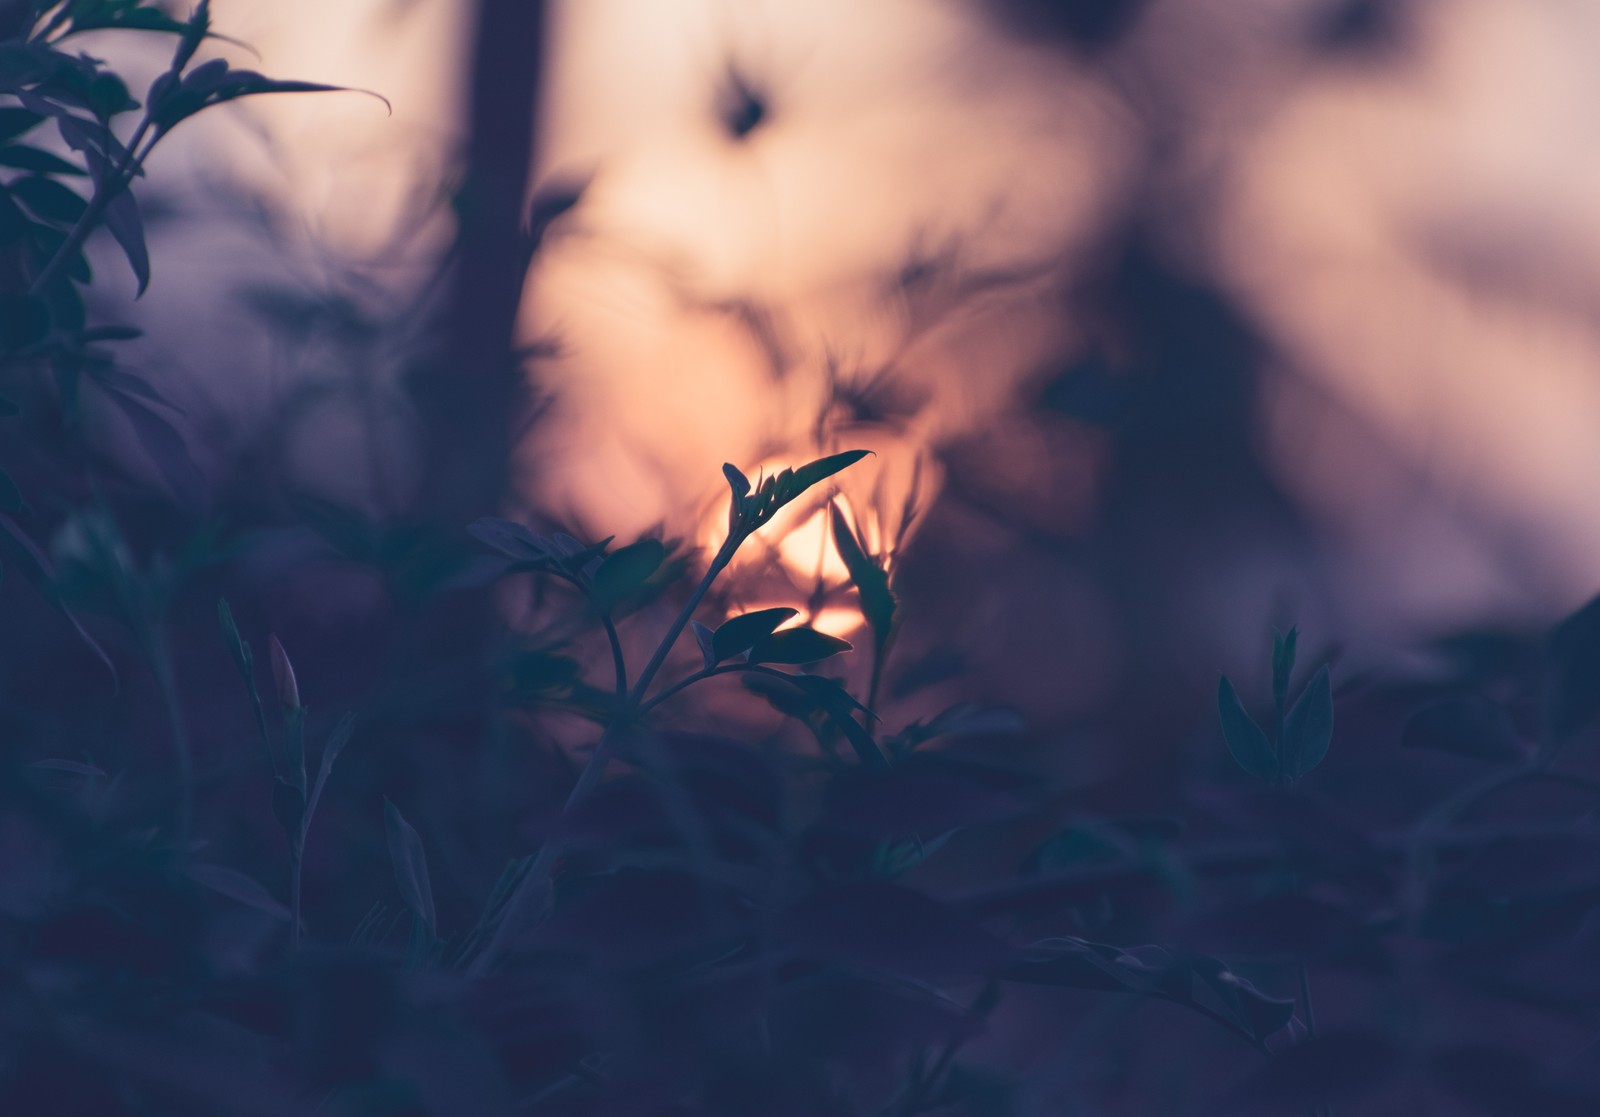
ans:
x=472 y=394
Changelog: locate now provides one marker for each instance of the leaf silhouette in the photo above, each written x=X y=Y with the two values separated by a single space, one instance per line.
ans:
x=237 y=886
x=1246 y=742
x=410 y=865
x=740 y=634
x=796 y=646
x=1308 y=729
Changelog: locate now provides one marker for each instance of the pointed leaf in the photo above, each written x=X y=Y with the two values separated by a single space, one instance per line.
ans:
x=1246 y=742
x=707 y=641
x=230 y=636
x=624 y=571
x=71 y=767
x=194 y=33
x=410 y=865
x=123 y=221
x=43 y=576
x=1283 y=649
x=237 y=886
x=14 y=122
x=10 y=495
x=510 y=538
x=823 y=468
x=337 y=740
x=796 y=646
x=1308 y=730
x=160 y=438
x=283 y=674
x=741 y=633
x=738 y=482
x=878 y=605
x=26 y=158
x=48 y=199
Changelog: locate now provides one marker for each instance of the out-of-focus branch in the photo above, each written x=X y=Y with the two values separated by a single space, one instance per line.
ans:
x=471 y=394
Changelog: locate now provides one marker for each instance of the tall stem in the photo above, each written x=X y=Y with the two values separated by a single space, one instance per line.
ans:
x=120 y=179
x=520 y=907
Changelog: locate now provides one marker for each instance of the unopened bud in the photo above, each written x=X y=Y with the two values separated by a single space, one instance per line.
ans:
x=283 y=675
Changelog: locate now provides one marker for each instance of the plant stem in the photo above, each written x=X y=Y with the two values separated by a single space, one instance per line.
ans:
x=520 y=904
x=119 y=180
x=296 y=858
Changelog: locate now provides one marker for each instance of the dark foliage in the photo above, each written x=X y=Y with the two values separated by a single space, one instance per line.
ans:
x=362 y=874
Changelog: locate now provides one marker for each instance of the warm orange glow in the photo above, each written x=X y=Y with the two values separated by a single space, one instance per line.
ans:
x=1416 y=239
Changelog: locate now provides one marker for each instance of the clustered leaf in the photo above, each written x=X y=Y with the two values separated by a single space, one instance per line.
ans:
x=879 y=608
x=751 y=508
x=1305 y=728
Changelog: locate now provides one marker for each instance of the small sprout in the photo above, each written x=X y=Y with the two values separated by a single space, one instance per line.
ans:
x=1283 y=649
x=1305 y=729
x=749 y=510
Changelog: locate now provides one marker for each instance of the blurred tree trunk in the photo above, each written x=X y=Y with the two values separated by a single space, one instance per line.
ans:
x=472 y=395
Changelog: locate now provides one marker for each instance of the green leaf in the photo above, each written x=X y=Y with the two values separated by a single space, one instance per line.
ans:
x=48 y=199
x=236 y=886
x=796 y=646
x=741 y=633
x=510 y=538
x=410 y=865
x=1283 y=648
x=36 y=566
x=116 y=333
x=195 y=30
x=624 y=571
x=36 y=159
x=823 y=468
x=1308 y=730
x=127 y=19
x=1154 y=971
x=242 y=659
x=878 y=605
x=738 y=482
x=10 y=495
x=707 y=641
x=1246 y=742
x=69 y=767
x=123 y=222
x=108 y=96
x=24 y=319
x=337 y=740
x=15 y=121
x=833 y=700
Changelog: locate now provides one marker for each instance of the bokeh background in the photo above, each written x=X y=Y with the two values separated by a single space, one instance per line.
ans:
x=1181 y=318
